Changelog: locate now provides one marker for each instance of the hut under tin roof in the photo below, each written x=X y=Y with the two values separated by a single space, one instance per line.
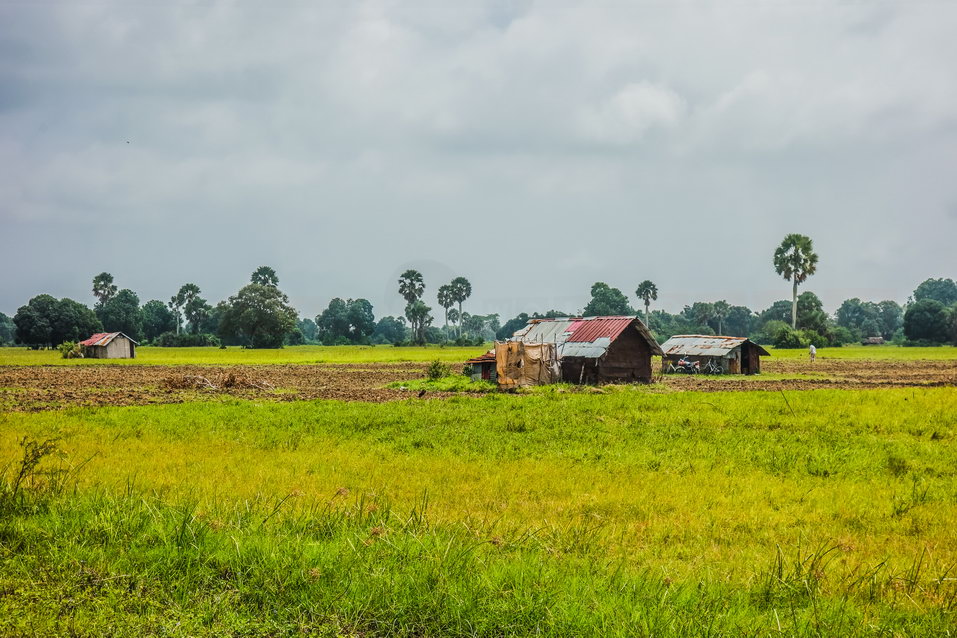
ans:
x=734 y=355
x=109 y=345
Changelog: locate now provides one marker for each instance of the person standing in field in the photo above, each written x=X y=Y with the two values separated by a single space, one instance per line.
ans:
x=813 y=352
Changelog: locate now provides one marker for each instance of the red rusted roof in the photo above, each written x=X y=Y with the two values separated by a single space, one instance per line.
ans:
x=102 y=339
x=488 y=357
x=592 y=329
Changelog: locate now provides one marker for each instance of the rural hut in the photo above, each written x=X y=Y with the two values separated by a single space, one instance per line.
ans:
x=577 y=350
x=483 y=367
x=733 y=355
x=109 y=345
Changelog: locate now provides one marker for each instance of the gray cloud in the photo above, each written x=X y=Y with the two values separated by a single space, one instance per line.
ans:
x=534 y=147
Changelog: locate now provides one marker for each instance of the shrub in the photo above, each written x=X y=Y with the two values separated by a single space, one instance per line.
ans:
x=173 y=340
x=70 y=350
x=790 y=338
x=438 y=370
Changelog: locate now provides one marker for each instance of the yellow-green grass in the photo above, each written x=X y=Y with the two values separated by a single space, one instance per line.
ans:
x=238 y=356
x=623 y=513
x=870 y=352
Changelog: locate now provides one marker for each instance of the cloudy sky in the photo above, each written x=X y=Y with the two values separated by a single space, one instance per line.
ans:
x=534 y=147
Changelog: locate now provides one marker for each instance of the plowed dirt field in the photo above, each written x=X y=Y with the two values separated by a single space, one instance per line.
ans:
x=32 y=388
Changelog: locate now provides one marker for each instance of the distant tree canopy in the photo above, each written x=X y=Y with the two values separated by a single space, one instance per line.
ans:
x=121 y=313
x=519 y=321
x=390 y=330
x=943 y=291
x=45 y=321
x=461 y=289
x=412 y=287
x=483 y=327
x=258 y=316
x=869 y=319
x=308 y=329
x=647 y=291
x=155 y=319
x=346 y=321
x=606 y=301
x=8 y=330
x=928 y=320
x=795 y=260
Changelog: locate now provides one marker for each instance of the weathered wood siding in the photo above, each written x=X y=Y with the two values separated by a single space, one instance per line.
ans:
x=119 y=348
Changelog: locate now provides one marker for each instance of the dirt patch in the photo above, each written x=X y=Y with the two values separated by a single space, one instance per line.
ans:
x=800 y=374
x=44 y=387
x=32 y=388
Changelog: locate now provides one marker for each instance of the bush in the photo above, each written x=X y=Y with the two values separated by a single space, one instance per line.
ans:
x=437 y=370
x=173 y=340
x=788 y=337
x=70 y=350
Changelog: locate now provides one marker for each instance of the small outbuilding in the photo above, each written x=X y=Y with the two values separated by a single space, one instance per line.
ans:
x=733 y=355
x=109 y=345
x=483 y=367
x=580 y=350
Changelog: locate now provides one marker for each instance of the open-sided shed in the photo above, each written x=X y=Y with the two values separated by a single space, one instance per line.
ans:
x=583 y=350
x=734 y=355
x=109 y=345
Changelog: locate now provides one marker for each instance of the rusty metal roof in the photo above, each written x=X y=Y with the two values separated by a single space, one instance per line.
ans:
x=103 y=339
x=706 y=345
x=488 y=357
x=588 y=337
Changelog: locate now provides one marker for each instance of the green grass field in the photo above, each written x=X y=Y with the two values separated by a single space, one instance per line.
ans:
x=239 y=356
x=820 y=513
x=387 y=354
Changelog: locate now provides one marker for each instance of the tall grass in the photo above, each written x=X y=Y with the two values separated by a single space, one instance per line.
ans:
x=625 y=513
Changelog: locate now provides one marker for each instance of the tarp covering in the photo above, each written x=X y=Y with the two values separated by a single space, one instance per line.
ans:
x=521 y=364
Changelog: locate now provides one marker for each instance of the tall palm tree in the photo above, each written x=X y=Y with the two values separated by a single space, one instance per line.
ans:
x=647 y=292
x=446 y=300
x=461 y=290
x=411 y=287
x=795 y=260
x=719 y=312
x=103 y=287
x=265 y=276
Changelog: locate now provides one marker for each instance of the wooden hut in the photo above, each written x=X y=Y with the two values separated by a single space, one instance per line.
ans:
x=482 y=368
x=584 y=350
x=109 y=345
x=732 y=355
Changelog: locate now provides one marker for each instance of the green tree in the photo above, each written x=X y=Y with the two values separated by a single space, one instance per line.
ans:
x=265 y=276
x=412 y=287
x=795 y=260
x=197 y=311
x=928 y=320
x=420 y=318
x=103 y=287
x=647 y=291
x=607 y=301
x=389 y=330
x=8 y=330
x=942 y=290
x=720 y=311
x=258 y=315
x=739 y=321
x=308 y=328
x=461 y=290
x=446 y=299
x=121 y=313
x=44 y=321
x=333 y=323
x=361 y=320
x=155 y=319
x=890 y=317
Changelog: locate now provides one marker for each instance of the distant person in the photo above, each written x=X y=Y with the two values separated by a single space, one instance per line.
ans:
x=813 y=352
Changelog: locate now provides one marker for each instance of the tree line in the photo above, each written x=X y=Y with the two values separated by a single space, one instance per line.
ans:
x=259 y=315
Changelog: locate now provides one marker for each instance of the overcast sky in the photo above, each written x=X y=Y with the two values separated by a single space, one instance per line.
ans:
x=533 y=147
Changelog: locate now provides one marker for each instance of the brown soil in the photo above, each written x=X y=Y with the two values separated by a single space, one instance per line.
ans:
x=49 y=387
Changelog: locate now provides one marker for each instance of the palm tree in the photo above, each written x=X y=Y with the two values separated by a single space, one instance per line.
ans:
x=265 y=276
x=647 y=292
x=103 y=287
x=411 y=287
x=720 y=311
x=461 y=290
x=795 y=260
x=446 y=300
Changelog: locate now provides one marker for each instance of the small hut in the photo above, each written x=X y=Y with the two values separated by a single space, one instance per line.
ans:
x=733 y=355
x=483 y=367
x=109 y=345
x=581 y=350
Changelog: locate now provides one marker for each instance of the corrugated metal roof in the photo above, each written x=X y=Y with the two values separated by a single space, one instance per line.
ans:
x=488 y=357
x=102 y=339
x=705 y=345
x=591 y=329
x=588 y=337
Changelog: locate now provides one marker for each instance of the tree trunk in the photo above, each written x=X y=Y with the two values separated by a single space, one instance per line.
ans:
x=647 y=321
x=720 y=331
x=460 y=318
x=794 y=306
